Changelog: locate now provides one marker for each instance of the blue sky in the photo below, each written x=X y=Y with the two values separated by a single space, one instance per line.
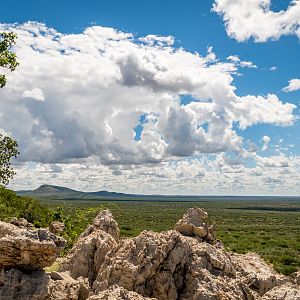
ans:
x=195 y=28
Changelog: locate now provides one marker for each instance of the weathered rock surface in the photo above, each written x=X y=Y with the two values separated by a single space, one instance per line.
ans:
x=88 y=254
x=192 y=224
x=105 y=222
x=28 y=249
x=184 y=264
x=57 y=227
x=256 y=273
x=118 y=293
x=38 y=285
x=283 y=292
x=296 y=277
x=170 y=266
x=22 y=223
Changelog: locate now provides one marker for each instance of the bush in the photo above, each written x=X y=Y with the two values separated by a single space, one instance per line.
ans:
x=12 y=205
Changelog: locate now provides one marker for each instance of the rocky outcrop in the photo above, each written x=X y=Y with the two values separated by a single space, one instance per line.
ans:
x=184 y=264
x=28 y=249
x=88 y=254
x=170 y=266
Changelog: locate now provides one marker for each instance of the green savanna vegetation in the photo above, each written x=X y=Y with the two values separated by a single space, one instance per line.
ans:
x=270 y=228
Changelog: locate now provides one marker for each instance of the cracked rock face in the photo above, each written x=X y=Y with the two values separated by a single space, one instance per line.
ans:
x=88 y=254
x=28 y=249
x=170 y=266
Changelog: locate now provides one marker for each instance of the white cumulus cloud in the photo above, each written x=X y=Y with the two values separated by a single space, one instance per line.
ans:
x=294 y=85
x=95 y=88
x=266 y=140
x=255 y=19
x=35 y=93
x=244 y=64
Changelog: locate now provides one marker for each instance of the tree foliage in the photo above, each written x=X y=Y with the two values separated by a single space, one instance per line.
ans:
x=14 y=206
x=8 y=58
x=8 y=149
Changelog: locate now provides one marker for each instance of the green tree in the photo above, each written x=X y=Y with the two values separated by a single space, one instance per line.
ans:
x=8 y=58
x=8 y=147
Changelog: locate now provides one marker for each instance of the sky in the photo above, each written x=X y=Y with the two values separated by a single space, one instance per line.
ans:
x=155 y=97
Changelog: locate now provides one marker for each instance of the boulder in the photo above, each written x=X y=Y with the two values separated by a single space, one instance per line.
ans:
x=192 y=224
x=183 y=264
x=28 y=249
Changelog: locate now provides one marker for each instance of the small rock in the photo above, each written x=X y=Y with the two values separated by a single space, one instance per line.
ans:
x=57 y=227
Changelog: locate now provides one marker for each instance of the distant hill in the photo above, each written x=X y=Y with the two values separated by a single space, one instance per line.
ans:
x=47 y=191
x=53 y=191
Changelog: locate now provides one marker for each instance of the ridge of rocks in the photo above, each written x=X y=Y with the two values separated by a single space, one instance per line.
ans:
x=185 y=263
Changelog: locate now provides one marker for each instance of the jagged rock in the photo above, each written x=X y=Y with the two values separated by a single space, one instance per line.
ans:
x=192 y=224
x=28 y=249
x=57 y=227
x=170 y=266
x=22 y=223
x=283 y=292
x=63 y=287
x=256 y=273
x=118 y=293
x=87 y=255
x=38 y=285
x=104 y=221
x=180 y=264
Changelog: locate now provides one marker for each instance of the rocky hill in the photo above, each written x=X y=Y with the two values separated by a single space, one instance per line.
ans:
x=184 y=263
